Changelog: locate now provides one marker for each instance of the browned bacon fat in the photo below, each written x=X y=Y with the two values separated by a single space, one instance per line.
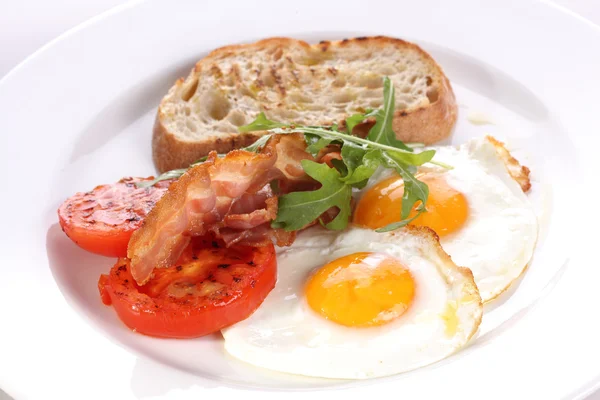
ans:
x=230 y=197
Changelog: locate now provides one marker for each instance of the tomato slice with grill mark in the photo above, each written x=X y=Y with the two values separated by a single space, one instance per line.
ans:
x=102 y=220
x=208 y=289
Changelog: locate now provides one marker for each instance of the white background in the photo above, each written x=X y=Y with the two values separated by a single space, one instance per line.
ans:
x=26 y=25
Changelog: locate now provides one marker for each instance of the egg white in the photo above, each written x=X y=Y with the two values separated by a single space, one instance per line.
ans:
x=498 y=239
x=286 y=335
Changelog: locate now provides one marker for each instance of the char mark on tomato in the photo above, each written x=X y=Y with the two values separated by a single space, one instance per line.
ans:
x=102 y=220
x=208 y=289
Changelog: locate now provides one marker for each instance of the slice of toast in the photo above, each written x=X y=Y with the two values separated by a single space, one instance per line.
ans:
x=292 y=81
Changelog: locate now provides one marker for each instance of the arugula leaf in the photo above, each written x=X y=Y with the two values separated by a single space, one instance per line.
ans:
x=382 y=132
x=316 y=143
x=311 y=139
x=362 y=164
x=298 y=209
x=345 y=139
x=354 y=120
x=254 y=147
x=369 y=164
x=261 y=123
x=416 y=159
x=414 y=191
x=340 y=166
x=352 y=156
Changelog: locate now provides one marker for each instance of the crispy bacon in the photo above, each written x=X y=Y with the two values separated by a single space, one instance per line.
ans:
x=328 y=157
x=230 y=197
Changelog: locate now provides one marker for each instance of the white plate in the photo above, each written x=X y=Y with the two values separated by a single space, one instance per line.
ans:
x=79 y=112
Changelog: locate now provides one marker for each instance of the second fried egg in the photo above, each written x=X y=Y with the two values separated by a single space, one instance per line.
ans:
x=484 y=220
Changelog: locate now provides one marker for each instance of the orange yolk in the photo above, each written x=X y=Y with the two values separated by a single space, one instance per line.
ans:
x=447 y=208
x=361 y=289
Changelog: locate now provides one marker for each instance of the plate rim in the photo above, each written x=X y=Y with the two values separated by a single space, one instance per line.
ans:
x=101 y=18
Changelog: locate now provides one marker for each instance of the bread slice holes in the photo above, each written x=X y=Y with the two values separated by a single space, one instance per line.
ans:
x=371 y=81
x=413 y=79
x=187 y=111
x=432 y=94
x=428 y=80
x=237 y=118
x=370 y=94
x=189 y=90
x=219 y=107
x=344 y=97
x=387 y=70
x=285 y=115
x=230 y=78
x=267 y=78
x=246 y=91
x=300 y=98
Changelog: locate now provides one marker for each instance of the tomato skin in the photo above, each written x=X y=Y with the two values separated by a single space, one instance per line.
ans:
x=170 y=305
x=104 y=293
x=102 y=220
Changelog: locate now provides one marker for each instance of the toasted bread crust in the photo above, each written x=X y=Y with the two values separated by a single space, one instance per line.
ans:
x=168 y=152
x=427 y=123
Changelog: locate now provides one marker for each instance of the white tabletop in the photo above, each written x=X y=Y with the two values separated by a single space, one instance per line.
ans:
x=27 y=25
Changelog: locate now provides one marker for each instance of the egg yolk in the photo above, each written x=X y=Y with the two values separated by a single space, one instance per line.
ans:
x=447 y=208
x=361 y=289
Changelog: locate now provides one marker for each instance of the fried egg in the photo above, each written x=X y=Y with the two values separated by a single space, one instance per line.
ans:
x=484 y=220
x=360 y=304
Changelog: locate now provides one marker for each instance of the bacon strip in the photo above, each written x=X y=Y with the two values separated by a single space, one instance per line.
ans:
x=228 y=196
